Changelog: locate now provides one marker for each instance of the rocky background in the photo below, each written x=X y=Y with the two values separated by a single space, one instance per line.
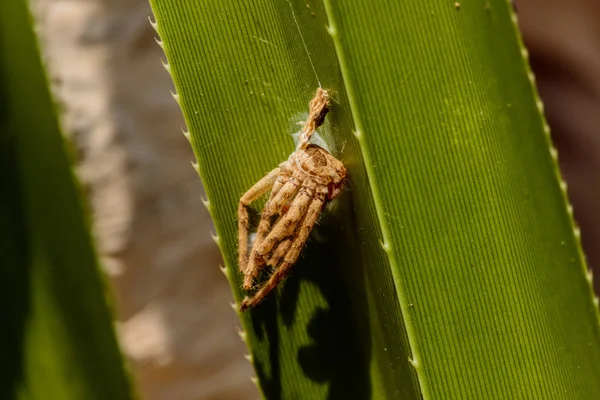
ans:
x=174 y=320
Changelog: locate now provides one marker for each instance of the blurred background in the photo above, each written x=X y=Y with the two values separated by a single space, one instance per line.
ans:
x=174 y=321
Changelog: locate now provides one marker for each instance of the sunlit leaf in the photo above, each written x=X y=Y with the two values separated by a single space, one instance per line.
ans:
x=450 y=268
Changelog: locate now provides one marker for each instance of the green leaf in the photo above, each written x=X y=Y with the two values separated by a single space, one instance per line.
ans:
x=450 y=268
x=57 y=339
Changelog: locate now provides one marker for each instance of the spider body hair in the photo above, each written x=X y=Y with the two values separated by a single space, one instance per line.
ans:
x=300 y=188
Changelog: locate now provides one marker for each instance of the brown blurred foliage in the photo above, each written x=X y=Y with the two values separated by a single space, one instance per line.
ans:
x=563 y=38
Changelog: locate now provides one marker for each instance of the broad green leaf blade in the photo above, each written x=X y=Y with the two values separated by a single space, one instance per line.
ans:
x=460 y=222
x=57 y=339
x=490 y=274
x=244 y=80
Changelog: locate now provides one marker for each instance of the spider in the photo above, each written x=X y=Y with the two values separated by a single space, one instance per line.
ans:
x=300 y=187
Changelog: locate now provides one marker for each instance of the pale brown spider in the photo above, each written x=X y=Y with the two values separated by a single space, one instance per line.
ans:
x=300 y=188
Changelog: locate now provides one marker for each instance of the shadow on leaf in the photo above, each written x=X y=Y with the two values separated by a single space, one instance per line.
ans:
x=339 y=350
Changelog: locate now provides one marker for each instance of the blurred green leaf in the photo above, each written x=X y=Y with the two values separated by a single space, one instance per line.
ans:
x=450 y=269
x=57 y=339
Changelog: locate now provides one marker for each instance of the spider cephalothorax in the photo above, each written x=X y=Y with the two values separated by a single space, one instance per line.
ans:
x=316 y=163
x=300 y=188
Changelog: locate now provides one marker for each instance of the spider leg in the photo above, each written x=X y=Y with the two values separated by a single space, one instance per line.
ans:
x=280 y=251
x=292 y=255
x=283 y=191
x=283 y=227
x=273 y=206
x=252 y=194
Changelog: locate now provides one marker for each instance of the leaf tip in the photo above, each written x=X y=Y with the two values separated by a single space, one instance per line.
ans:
x=332 y=31
x=563 y=185
x=166 y=66
x=154 y=24
x=414 y=362
x=206 y=203
x=540 y=105
x=175 y=95
x=224 y=270
x=240 y=331
x=215 y=238
x=186 y=134
x=385 y=246
x=514 y=18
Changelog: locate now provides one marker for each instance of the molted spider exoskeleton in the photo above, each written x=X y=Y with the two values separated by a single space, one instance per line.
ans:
x=300 y=188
